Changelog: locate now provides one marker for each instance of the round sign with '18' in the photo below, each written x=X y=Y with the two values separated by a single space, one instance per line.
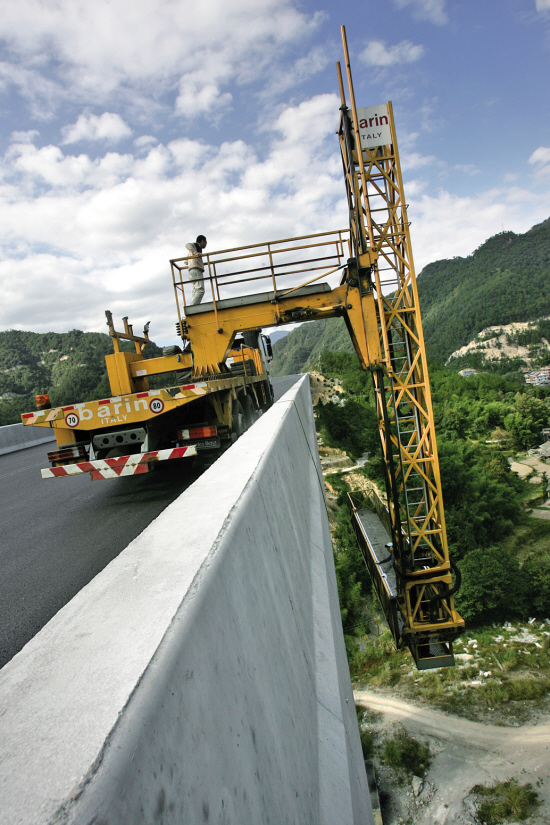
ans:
x=72 y=420
x=156 y=405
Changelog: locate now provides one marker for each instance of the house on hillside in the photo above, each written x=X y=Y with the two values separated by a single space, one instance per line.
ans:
x=538 y=378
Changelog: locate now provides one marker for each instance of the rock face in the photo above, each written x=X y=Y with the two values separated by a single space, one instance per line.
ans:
x=417 y=785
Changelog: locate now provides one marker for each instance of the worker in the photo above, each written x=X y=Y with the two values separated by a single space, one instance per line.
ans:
x=196 y=268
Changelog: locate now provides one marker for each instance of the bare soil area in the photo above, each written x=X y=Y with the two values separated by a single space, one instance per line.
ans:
x=464 y=754
x=323 y=388
x=494 y=344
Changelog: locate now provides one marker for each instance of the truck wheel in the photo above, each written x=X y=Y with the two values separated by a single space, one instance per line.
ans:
x=238 y=425
x=249 y=411
x=269 y=394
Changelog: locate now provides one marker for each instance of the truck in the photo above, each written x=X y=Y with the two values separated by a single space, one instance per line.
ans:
x=363 y=274
x=137 y=427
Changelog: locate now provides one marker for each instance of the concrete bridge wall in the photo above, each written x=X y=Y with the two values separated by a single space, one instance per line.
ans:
x=202 y=676
x=16 y=437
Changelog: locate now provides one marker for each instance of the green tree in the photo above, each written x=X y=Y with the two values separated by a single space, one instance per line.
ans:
x=538 y=573
x=526 y=423
x=493 y=586
x=352 y=427
x=481 y=495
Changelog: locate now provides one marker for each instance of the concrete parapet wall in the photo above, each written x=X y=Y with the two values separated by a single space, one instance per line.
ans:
x=202 y=676
x=16 y=437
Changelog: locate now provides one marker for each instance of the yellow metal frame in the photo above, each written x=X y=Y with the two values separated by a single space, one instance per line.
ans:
x=211 y=331
x=379 y=222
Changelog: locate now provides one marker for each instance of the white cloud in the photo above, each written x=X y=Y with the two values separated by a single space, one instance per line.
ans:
x=301 y=70
x=84 y=235
x=467 y=168
x=541 y=159
x=197 y=96
x=41 y=93
x=445 y=225
x=542 y=5
x=87 y=234
x=541 y=155
x=145 y=140
x=108 y=126
x=28 y=136
x=414 y=160
x=431 y=10
x=113 y=49
x=376 y=53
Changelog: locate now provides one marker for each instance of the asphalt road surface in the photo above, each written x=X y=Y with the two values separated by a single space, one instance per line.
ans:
x=56 y=535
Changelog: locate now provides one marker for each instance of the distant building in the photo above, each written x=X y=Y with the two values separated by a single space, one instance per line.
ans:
x=467 y=373
x=538 y=378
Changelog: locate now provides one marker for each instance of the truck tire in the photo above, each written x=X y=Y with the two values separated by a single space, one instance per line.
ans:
x=249 y=411
x=270 y=395
x=238 y=424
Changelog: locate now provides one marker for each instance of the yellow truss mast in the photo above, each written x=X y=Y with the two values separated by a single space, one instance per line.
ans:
x=379 y=225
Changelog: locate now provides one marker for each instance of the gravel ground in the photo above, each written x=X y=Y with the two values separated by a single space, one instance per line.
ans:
x=464 y=754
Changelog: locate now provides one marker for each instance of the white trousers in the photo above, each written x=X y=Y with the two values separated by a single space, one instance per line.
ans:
x=196 y=275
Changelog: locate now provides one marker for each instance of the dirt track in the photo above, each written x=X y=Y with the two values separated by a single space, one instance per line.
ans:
x=465 y=754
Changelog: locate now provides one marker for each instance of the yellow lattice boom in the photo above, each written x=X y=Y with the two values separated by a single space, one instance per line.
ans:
x=379 y=224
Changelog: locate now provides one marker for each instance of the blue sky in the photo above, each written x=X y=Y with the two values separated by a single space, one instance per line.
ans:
x=129 y=126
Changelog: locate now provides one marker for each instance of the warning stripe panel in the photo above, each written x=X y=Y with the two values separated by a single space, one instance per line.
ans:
x=125 y=465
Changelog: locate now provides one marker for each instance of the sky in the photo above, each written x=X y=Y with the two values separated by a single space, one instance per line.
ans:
x=128 y=127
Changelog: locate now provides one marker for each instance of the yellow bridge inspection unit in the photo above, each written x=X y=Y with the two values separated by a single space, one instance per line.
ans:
x=365 y=275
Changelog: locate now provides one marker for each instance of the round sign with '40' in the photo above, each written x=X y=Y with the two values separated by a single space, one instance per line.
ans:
x=156 y=405
x=72 y=420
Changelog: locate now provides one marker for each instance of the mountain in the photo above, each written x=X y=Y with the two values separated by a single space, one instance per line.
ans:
x=505 y=281
x=277 y=334
x=301 y=348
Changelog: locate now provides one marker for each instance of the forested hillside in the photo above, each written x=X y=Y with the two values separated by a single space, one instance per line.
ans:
x=69 y=366
x=304 y=345
x=507 y=279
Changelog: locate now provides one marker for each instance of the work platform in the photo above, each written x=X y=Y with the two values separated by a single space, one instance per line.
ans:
x=256 y=298
x=375 y=542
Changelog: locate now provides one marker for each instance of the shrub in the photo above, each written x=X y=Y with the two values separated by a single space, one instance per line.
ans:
x=523 y=689
x=539 y=574
x=505 y=801
x=406 y=754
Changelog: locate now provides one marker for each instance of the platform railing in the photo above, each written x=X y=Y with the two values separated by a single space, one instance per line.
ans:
x=274 y=267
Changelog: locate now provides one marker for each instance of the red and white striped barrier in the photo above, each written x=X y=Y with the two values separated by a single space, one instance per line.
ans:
x=126 y=465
